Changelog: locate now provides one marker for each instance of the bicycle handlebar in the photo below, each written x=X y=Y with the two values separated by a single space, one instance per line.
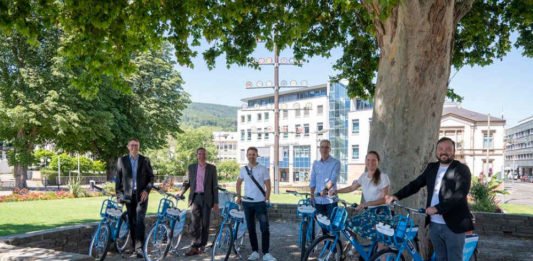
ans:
x=233 y=193
x=158 y=189
x=105 y=192
x=395 y=203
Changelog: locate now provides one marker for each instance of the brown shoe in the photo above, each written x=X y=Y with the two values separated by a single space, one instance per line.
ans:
x=193 y=251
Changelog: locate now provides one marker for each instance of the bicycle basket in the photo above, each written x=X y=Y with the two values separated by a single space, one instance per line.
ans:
x=164 y=204
x=304 y=208
x=338 y=219
x=228 y=206
x=402 y=228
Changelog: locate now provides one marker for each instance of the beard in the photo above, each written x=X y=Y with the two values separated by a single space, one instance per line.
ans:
x=448 y=159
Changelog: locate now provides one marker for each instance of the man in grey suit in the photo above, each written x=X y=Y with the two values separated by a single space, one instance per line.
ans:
x=134 y=180
x=203 y=197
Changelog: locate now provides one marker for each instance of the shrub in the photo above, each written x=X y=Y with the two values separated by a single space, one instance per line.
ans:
x=484 y=195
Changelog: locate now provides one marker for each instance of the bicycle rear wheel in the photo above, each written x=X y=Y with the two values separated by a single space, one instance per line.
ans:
x=386 y=255
x=176 y=239
x=100 y=242
x=157 y=243
x=123 y=235
x=323 y=249
x=222 y=243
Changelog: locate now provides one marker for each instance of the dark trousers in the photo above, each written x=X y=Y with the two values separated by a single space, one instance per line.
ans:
x=136 y=213
x=253 y=210
x=201 y=213
x=325 y=209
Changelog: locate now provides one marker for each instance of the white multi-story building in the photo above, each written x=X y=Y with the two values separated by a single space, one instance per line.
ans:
x=305 y=118
x=226 y=143
x=325 y=112
x=479 y=138
x=519 y=148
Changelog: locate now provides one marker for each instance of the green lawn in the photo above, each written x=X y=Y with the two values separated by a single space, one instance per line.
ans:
x=21 y=217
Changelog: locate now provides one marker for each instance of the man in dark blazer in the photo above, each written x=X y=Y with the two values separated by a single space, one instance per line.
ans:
x=203 y=196
x=134 y=180
x=448 y=184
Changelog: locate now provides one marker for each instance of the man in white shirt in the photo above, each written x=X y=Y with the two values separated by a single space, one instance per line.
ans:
x=257 y=187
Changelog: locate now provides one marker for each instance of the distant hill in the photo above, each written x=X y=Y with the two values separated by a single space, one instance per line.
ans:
x=213 y=115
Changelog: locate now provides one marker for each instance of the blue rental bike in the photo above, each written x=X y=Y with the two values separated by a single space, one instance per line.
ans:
x=230 y=235
x=113 y=227
x=306 y=212
x=165 y=234
x=329 y=246
x=401 y=235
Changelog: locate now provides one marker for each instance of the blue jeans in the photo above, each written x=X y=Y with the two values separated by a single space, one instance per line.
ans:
x=253 y=210
x=447 y=244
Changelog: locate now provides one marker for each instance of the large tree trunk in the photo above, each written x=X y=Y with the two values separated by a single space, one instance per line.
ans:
x=416 y=43
x=111 y=168
x=21 y=175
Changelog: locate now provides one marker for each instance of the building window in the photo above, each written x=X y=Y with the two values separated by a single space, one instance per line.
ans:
x=319 y=110
x=298 y=129
x=306 y=130
x=242 y=118
x=363 y=105
x=259 y=116
x=249 y=136
x=259 y=134
x=243 y=155
x=355 y=152
x=319 y=126
x=488 y=140
x=242 y=135
x=285 y=114
x=266 y=133
x=285 y=131
x=298 y=112
x=267 y=115
x=355 y=126
x=302 y=163
x=249 y=117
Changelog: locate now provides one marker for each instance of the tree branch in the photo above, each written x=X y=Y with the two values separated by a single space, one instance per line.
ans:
x=461 y=8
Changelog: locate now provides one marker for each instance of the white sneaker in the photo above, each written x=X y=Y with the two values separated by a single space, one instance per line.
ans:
x=253 y=256
x=268 y=257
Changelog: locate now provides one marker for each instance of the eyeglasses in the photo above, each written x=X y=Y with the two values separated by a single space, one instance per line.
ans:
x=324 y=147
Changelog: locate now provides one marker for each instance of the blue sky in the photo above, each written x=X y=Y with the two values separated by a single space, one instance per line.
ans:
x=505 y=87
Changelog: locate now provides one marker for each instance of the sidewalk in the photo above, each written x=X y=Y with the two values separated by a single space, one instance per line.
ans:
x=283 y=246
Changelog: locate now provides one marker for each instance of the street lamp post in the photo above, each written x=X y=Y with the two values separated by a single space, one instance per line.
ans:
x=293 y=84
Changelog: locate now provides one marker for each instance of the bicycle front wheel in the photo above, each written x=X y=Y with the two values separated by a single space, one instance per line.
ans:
x=100 y=242
x=324 y=248
x=222 y=243
x=387 y=255
x=123 y=235
x=157 y=243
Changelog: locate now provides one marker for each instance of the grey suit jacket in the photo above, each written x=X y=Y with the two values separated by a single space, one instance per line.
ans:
x=210 y=184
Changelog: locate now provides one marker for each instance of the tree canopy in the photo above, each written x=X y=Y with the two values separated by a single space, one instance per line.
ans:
x=99 y=38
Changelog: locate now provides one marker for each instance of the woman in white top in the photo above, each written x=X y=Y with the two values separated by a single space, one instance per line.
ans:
x=373 y=183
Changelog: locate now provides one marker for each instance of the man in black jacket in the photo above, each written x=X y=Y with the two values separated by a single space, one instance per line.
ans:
x=134 y=180
x=448 y=184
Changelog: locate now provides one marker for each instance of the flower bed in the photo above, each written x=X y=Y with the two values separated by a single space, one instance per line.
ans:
x=25 y=195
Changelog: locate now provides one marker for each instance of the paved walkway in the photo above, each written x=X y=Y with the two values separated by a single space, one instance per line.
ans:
x=284 y=248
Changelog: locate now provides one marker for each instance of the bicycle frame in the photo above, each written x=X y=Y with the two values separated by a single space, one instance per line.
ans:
x=108 y=219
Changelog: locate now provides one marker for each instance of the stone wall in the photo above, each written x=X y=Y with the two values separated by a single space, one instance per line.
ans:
x=77 y=238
